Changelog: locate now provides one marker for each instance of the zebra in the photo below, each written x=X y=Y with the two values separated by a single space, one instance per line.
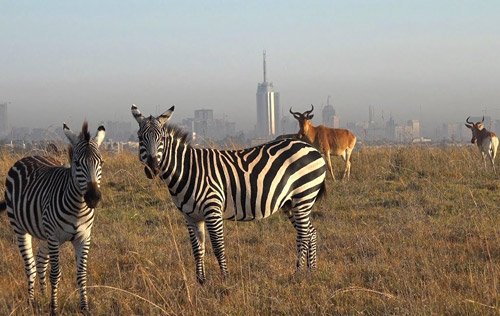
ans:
x=56 y=203
x=209 y=185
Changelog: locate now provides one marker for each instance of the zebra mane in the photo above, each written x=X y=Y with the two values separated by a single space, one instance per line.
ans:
x=70 y=153
x=84 y=134
x=177 y=133
x=85 y=131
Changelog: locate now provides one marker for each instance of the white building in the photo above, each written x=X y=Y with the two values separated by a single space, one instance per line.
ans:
x=268 y=108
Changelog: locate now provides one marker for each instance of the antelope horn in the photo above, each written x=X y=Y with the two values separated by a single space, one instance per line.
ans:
x=295 y=114
x=306 y=113
x=482 y=119
x=467 y=120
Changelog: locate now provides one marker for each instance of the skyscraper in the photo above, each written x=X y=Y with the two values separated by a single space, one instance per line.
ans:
x=203 y=123
x=268 y=107
x=4 y=120
x=329 y=118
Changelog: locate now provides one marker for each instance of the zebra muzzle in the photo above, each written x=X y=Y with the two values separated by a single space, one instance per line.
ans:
x=93 y=195
x=151 y=169
x=149 y=172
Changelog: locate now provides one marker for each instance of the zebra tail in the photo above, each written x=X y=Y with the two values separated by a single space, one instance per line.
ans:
x=322 y=191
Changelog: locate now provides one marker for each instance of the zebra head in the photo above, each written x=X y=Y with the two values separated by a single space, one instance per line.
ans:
x=152 y=136
x=86 y=162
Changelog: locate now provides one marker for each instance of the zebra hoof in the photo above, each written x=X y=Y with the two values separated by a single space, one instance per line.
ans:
x=224 y=292
x=201 y=280
x=35 y=306
x=53 y=309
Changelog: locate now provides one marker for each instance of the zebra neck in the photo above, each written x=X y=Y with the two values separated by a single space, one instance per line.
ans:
x=176 y=165
x=72 y=192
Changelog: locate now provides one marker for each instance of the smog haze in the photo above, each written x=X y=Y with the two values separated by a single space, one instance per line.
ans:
x=69 y=61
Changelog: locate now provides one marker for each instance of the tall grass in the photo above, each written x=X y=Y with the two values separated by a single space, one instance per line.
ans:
x=415 y=231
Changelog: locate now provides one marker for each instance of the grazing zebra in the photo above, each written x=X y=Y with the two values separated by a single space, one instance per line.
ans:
x=55 y=203
x=209 y=185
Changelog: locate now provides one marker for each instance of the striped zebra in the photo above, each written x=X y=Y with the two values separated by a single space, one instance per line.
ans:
x=55 y=203
x=209 y=185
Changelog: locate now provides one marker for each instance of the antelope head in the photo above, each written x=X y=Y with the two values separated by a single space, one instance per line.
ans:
x=305 y=124
x=476 y=128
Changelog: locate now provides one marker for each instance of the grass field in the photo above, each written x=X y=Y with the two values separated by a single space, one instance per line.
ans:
x=416 y=231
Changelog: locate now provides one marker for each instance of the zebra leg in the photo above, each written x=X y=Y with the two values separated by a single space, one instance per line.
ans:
x=291 y=218
x=197 y=237
x=215 y=229
x=81 y=253
x=312 y=261
x=302 y=225
x=25 y=248
x=55 y=273
x=42 y=261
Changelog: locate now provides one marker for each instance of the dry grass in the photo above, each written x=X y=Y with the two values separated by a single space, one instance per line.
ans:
x=415 y=231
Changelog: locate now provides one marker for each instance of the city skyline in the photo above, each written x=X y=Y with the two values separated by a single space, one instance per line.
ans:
x=66 y=62
x=205 y=128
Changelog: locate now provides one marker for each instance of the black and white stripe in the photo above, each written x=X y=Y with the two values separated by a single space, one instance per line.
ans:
x=209 y=185
x=56 y=204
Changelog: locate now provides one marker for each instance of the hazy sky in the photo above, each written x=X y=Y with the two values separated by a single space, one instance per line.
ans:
x=70 y=60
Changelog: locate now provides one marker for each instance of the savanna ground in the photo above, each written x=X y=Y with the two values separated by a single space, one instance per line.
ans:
x=416 y=231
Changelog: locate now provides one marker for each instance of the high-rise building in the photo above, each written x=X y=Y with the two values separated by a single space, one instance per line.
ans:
x=329 y=118
x=268 y=108
x=4 y=120
x=203 y=123
x=415 y=128
x=118 y=131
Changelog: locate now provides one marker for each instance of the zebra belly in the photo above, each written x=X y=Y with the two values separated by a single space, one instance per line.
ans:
x=37 y=223
x=229 y=211
x=28 y=217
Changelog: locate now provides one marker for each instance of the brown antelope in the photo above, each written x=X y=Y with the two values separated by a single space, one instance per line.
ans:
x=486 y=141
x=331 y=141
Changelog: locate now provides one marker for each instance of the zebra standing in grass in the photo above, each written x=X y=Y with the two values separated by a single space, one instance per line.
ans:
x=55 y=204
x=209 y=185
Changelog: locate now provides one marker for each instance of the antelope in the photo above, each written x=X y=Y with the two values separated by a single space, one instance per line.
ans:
x=486 y=141
x=331 y=141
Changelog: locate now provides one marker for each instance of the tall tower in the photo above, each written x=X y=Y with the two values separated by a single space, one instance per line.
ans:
x=4 y=120
x=329 y=118
x=268 y=107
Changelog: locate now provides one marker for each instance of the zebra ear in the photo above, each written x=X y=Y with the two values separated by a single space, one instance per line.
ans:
x=137 y=114
x=73 y=138
x=99 y=136
x=163 y=118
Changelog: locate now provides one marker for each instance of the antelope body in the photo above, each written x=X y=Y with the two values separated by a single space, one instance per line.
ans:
x=331 y=141
x=486 y=141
